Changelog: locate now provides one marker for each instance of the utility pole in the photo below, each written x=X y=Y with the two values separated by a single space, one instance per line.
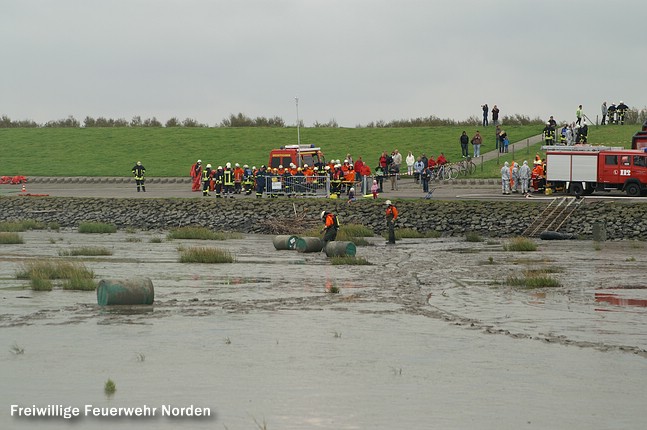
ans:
x=296 y=99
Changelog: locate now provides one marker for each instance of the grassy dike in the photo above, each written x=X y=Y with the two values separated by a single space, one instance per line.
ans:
x=169 y=152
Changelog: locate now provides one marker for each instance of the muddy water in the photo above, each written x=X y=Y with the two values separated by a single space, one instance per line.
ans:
x=427 y=337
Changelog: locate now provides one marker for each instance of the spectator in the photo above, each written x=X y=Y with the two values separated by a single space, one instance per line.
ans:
x=465 y=140
x=410 y=160
x=495 y=115
x=485 y=113
x=477 y=140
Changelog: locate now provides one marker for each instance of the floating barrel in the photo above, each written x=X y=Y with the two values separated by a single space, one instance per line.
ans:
x=340 y=249
x=283 y=242
x=309 y=244
x=136 y=291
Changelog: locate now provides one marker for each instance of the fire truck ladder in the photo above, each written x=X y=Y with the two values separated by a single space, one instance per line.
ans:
x=554 y=216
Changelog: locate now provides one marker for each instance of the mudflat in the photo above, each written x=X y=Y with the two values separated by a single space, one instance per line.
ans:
x=429 y=335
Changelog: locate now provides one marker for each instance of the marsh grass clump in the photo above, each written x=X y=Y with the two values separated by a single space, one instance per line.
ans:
x=10 y=238
x=201 y=233
x=109 y=387
x=22 y=225
x=80 y=283
x=520 y=244
x=349 y=260
x=51 y=269
x=354 y=230
x=85 y=251
x=531 y=282
x=332 y=289
x=205 y=255
x=133 y=239
x=597 y=246
x=155 y=239
x=472 y=236
x=97 y=227
x=38 y=283
x=53 y=225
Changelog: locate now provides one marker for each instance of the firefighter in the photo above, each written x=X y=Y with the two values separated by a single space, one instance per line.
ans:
x=218 y=178
x=549 y=134
x=621 y=110
x=563 y=140
x=206 y=180
x=286 y=178
x=331 y=225
x=611 y=112
x=139 y=171
x=196 y=174
x=583 y=133
x=248 y=179
x=239 y=173
x=228 y=180
x=505 y=178
x=391 y=215
x=259 y=177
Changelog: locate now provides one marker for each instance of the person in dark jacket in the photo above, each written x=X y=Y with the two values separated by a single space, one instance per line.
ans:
x=139 y=171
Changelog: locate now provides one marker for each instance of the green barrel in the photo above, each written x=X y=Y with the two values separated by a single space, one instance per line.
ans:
x=309 y=244
x=285 y=241
x=340 y=249
x=136 y=291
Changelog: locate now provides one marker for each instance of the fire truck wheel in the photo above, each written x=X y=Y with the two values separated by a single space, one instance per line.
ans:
x=632 y=190
x=576 y=189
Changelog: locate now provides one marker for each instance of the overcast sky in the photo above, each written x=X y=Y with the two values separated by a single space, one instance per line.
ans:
x=354 y=61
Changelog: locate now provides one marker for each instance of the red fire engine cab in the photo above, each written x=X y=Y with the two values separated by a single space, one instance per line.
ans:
x=299 y=155
x=584 y=169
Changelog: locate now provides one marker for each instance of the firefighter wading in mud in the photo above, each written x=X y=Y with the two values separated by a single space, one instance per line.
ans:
x=331 y=225
x=391 y=216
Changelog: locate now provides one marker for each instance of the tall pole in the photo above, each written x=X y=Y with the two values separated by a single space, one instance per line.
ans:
x=296 y=99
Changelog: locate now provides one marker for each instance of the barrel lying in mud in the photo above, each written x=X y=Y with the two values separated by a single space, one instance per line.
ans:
x=283 y=242
x=136 y=291
x=309 y=244
x=340 y=249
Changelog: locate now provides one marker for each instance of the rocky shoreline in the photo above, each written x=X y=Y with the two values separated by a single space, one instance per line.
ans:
x=623 y=220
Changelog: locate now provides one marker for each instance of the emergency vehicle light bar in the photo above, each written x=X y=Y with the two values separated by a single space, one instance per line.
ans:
x=583 y=148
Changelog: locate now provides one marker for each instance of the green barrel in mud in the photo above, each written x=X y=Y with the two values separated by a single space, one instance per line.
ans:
x=284 y=242
x=136 y=291
x=309 y=244
x=340 y=249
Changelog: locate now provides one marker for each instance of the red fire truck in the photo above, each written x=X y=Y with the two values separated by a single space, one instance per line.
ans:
x=297 y=154
x=584 y=169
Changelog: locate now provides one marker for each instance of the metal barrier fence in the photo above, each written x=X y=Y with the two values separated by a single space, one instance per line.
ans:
x=297 y=186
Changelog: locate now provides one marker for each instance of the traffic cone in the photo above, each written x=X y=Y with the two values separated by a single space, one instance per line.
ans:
x=24 y=189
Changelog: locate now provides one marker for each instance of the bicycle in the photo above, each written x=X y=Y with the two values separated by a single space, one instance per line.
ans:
x=466 y=166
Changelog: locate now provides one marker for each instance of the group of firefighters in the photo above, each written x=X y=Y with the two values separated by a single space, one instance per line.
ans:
x=292 y=180
x=515 y=178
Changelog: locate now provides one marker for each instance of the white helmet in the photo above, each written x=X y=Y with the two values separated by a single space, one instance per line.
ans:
x=237 y=165
x=208 y=166
x=322 y=215
x=219 y=167
x=388 y=202
x=228 y=165
x=199 y=161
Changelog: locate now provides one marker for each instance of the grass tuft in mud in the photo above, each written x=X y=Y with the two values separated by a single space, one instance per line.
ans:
x=208 y=255
x=80 y=283
x=10 y=238
x=155 y=239
x=349 y=260
x=23 y=225
x=332 y=289
x=97 y=227
x=17 y=349
x=472 y=236
x=534 y=281
x=51 y=269
x=520 y=244
x=201 y=233
x=86 y=251
x=38 y=283
x=109 y=387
